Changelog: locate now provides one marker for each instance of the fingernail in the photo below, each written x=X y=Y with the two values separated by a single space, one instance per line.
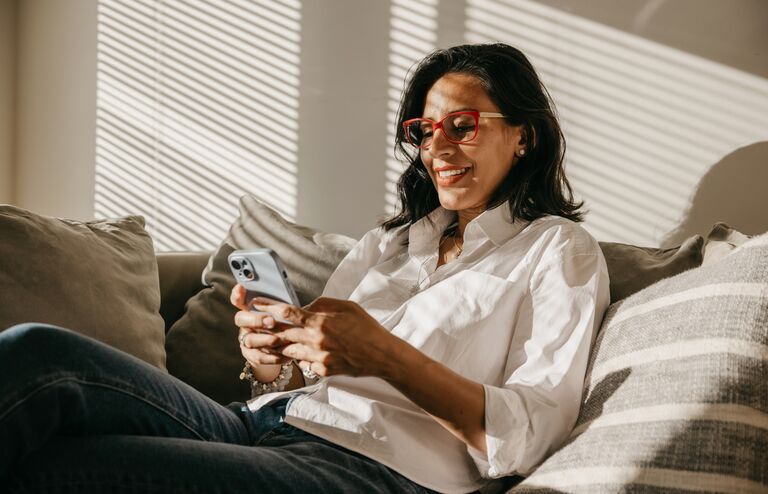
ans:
x=269 y=322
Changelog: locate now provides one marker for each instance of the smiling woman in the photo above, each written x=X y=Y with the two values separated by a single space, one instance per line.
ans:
x=484 y=356
x=493 y=80
x=450 y=344
x=484 y=159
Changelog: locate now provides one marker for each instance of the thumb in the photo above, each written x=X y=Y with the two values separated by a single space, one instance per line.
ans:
x=237 y=297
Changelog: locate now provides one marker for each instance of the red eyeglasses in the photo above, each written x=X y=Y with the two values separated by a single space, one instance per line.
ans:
x=458 y=127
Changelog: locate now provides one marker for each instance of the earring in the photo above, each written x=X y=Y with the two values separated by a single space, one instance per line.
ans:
x=521 y=152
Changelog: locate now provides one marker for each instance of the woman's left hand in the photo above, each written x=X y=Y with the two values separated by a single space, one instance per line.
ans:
x=333 y=337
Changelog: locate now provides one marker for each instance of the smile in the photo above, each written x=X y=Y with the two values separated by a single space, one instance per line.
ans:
x=450 y=173
x=450 y=176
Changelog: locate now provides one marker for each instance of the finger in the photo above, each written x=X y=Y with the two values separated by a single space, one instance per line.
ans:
x=302 y=352
x=256 y=357
x=249 y=340
x=264 y=301
x=237 y=296
x=254 y=320
x=314 y=367
x=283 y=311
x=326 y=304
x=272 y=347
x=299 y=335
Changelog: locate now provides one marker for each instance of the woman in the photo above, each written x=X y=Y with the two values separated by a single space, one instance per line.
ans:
x=451 y=343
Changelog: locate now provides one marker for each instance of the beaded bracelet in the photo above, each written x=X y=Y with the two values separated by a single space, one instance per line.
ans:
x=260 y=388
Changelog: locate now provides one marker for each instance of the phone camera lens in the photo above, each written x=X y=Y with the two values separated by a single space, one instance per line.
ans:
x=235 y=264
x=248 y=274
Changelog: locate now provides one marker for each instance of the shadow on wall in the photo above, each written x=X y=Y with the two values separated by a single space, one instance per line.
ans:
x=732 y=191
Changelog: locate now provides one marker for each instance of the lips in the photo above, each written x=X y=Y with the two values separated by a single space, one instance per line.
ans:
x=450 y=175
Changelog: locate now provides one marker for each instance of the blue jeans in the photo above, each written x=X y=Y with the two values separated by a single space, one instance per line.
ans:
x=77 y=415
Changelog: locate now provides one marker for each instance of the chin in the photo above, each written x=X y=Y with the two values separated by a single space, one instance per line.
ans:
x=456 y=202
x=452 y=203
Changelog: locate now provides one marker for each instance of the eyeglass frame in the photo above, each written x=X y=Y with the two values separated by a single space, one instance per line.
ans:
x=438 y=125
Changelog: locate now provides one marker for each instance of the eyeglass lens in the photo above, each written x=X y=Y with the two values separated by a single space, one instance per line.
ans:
x=459 y=127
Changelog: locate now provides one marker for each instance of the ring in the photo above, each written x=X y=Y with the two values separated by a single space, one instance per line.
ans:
x=242 y=339
x=308 y=372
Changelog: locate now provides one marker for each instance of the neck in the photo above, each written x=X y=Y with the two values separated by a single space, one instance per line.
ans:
x=465 y=216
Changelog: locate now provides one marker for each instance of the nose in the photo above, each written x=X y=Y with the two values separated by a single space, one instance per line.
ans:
x=440 y=147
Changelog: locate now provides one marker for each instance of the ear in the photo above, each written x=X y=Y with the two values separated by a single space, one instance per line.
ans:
x=525 y=138
x=521 y=144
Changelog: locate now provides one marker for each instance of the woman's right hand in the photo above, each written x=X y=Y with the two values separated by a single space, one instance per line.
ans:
x=258 y=344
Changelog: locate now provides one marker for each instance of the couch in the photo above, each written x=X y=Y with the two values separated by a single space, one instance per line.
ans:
x=676 y=393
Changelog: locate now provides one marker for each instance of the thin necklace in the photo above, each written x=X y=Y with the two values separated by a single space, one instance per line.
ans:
x=455 y=244
x=417 y=286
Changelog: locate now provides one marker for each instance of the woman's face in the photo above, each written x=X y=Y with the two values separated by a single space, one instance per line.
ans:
x=486 y=160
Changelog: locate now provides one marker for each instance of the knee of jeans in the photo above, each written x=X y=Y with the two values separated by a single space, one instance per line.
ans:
x=34 y=335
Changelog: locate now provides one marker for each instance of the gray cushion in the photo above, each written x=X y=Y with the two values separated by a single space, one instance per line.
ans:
x=676 y=397
x=202 y=345
x=98 y=278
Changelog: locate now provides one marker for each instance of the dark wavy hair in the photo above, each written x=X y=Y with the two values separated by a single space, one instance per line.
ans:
x=536 y=186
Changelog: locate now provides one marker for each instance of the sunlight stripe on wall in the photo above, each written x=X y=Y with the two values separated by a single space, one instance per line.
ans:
x=412 y=35
x=197 y=104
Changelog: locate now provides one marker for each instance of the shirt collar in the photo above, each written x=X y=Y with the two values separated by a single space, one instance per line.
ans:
x=495 y=224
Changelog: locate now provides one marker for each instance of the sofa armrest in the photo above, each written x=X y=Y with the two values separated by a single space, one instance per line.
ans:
x=180 y=278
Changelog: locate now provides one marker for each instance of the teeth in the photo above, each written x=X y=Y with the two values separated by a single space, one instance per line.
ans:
x=450 y=173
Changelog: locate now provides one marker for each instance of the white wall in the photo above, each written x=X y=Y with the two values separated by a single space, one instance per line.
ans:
x=664 y=104
x=732 y=33
x=56 y=106
x=705 y=156
x=343 y=109
x=7 y=96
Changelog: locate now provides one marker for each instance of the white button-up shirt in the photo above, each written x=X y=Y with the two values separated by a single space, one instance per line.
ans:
x=517 y=312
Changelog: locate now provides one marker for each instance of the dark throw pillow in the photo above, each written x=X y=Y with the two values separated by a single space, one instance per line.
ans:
x=632 y=268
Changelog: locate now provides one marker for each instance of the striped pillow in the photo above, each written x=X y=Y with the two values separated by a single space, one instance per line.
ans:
x=676 y=395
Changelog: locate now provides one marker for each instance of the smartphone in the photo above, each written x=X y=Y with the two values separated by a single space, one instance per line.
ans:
x=262 y=274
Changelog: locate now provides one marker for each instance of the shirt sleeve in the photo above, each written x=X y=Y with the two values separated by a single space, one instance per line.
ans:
x=533 y=412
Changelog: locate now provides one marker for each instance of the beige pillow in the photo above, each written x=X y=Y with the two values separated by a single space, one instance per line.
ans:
x=632 y=268
x=721 y=241
x=202 y=345
x=98 y=278
x=675 y=398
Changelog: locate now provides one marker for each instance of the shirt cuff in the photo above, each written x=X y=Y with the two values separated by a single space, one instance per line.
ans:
x=506 y=435
x=481 y=461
